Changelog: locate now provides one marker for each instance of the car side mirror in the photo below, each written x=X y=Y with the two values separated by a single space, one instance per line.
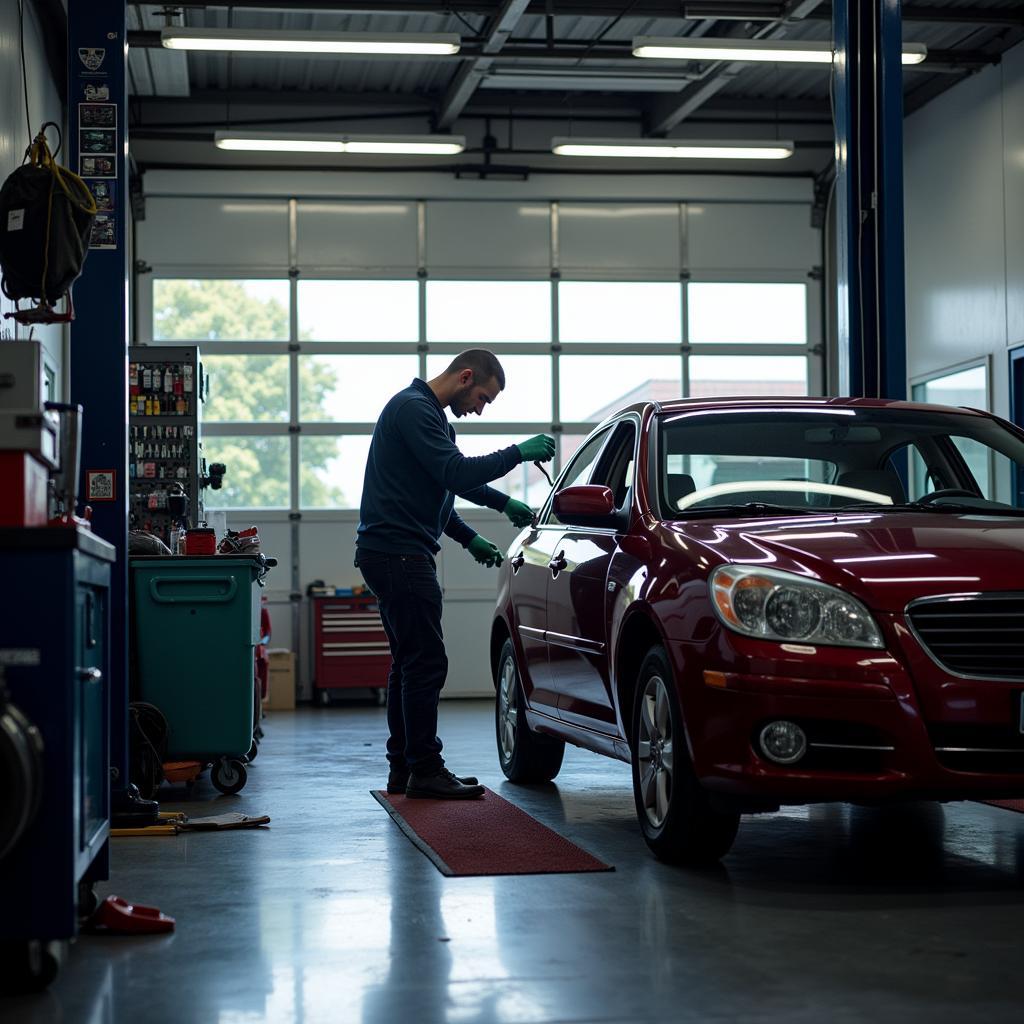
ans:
x=586 y=505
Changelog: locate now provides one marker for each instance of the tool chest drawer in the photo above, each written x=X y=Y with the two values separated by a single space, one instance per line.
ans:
x=350 y=647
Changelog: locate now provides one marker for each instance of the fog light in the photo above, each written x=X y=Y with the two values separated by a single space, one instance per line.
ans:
x=783 y=742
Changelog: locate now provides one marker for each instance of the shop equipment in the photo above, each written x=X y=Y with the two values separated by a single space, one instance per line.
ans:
x=54 y=649
x=349 y=645
x=195 y=626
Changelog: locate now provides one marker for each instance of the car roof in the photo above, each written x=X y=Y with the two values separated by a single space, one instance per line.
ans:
x=753 y=402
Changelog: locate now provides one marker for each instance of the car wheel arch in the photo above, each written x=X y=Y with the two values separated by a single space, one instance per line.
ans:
x=639 y=632
x=499 y=634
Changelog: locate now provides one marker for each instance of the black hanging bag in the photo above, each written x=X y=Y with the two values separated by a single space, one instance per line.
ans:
x=46 y=216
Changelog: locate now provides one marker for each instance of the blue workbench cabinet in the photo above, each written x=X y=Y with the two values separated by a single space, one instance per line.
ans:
x=55 y=650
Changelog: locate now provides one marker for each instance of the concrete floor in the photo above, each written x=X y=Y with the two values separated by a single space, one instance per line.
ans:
x=831 y=913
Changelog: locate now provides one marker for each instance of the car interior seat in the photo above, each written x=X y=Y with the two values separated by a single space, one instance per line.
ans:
x=678 y=485
x=881 y=481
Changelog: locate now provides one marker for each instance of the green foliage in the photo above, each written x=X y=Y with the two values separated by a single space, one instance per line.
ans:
x=247 y=388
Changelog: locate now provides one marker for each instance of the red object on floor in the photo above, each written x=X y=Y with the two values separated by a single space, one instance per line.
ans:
x=1009 y=805
x=117 y=915
x=488 y=836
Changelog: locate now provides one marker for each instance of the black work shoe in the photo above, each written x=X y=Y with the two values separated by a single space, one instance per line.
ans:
x=399 y=780
x=441 y=785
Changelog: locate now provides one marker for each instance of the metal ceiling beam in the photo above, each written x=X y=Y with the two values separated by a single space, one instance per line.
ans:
x=1007 y=16
x=472 y=72
x=666 y=114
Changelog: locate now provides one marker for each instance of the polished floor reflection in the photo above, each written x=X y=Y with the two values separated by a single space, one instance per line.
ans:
x=826 y=913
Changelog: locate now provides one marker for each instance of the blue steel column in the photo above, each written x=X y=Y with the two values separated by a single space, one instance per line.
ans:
x=97 y=60
x=868 y=100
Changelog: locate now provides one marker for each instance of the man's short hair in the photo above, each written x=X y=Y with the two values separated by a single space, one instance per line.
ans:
x=483 y=363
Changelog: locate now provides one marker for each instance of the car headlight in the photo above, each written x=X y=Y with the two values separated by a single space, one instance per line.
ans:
x=778 y=605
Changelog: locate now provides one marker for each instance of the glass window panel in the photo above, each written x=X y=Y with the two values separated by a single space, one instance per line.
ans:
x=257 y=472
x=220 y=310
x=979 y=461
x=619 y=311
x=243 y=388
x=527 y=394
x=525 y=482
x=738 y=313
x=965 y=387
x=358 y=311
x=351 y=389
x=593 y=387
x=331 y=471
x=484 y=312
x=711 y=376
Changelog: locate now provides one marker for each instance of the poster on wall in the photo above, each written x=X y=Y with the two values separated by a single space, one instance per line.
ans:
x=98 y=142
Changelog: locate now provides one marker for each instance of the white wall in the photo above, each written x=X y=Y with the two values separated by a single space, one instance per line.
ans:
x=44 y=105
x=200 y=223
x=964 y=201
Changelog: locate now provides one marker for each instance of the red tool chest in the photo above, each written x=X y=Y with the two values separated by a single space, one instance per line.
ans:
x=350 y=647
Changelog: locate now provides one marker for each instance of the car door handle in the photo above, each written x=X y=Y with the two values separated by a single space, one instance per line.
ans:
x=517 y=562
x=558 y=563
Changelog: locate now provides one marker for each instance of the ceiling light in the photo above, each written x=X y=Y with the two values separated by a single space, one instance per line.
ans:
x=304 y=142
x=680 y=149
x=258 y=41
x=773 y=50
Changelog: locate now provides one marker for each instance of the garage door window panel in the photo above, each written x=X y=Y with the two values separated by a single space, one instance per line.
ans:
x=219 y=309
x=482 y=313
x=257 y=471
x=738 y=313
x=619 y=311
x=358 y=311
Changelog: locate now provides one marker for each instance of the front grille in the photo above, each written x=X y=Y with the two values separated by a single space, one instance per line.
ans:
x=973 y=636
x=979 y=748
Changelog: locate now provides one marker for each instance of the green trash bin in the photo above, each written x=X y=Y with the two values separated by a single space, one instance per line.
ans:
x=196 y=622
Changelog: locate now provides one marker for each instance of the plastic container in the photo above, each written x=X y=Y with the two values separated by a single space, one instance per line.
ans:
x=200 y=540
x=196 y=623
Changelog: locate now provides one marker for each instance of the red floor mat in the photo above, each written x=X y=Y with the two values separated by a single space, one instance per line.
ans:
x=1010 y=805
x=488 y=836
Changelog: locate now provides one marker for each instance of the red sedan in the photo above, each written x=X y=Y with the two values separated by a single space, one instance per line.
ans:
x=760 y=602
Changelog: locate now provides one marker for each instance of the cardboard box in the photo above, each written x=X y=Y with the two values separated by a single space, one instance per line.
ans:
x=281 y=680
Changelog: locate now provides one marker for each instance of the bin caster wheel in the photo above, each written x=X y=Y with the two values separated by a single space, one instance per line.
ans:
x=325 y=698
x=28 y=966
x=253 y=751
x=228 y=775
x=88 y=901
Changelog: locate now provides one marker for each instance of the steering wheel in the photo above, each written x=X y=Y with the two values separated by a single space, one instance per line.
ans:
x=946 y=492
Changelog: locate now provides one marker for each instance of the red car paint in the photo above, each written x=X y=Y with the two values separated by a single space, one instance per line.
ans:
x=579 y=602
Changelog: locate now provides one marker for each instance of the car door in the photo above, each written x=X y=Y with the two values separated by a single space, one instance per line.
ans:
x=577 y=597
x=530 y=564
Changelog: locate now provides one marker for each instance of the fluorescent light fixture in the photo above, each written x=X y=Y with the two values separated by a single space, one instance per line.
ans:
x=780 y=51
x=680 y=149
x=305 y=142
x=259 y=41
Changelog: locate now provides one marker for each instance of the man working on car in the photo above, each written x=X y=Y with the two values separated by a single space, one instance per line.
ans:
x=413 y=472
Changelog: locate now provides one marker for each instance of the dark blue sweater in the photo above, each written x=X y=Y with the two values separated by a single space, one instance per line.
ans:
x=413 y=472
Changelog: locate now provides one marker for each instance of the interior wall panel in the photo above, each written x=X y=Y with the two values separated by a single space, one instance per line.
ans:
x=955 y=254
x=1013 y=164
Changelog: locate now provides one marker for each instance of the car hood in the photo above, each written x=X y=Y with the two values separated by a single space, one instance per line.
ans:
x=886 y=559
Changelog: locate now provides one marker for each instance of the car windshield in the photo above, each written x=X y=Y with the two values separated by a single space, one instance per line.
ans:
x=815 y=458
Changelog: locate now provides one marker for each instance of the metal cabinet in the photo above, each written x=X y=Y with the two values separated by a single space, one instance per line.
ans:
x=350 y=648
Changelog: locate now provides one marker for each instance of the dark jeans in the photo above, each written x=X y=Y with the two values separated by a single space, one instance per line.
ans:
x=409 y=596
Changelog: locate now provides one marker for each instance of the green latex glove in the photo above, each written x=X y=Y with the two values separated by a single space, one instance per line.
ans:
x=484 y=551
x=539 y=448
x=520 y=514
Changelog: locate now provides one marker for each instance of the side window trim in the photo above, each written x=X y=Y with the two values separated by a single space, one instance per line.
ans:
x=614 y=450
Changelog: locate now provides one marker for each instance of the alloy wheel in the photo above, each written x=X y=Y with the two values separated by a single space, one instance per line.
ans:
x=654 y=751
x=507 y=709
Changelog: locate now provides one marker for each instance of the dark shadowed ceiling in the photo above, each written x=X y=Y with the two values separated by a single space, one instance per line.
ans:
x=526 y=71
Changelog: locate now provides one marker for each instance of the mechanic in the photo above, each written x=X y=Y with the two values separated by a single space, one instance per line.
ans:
x=413 y=472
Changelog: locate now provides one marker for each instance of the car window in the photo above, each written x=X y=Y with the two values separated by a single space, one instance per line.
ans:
x=616 y=467
x=578 y=471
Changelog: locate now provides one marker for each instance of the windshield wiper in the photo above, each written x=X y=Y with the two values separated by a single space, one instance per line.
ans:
x=750 y=508
x=952 y=508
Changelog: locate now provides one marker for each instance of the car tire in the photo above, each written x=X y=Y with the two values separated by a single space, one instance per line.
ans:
x=525 y=756
x=676 y=817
